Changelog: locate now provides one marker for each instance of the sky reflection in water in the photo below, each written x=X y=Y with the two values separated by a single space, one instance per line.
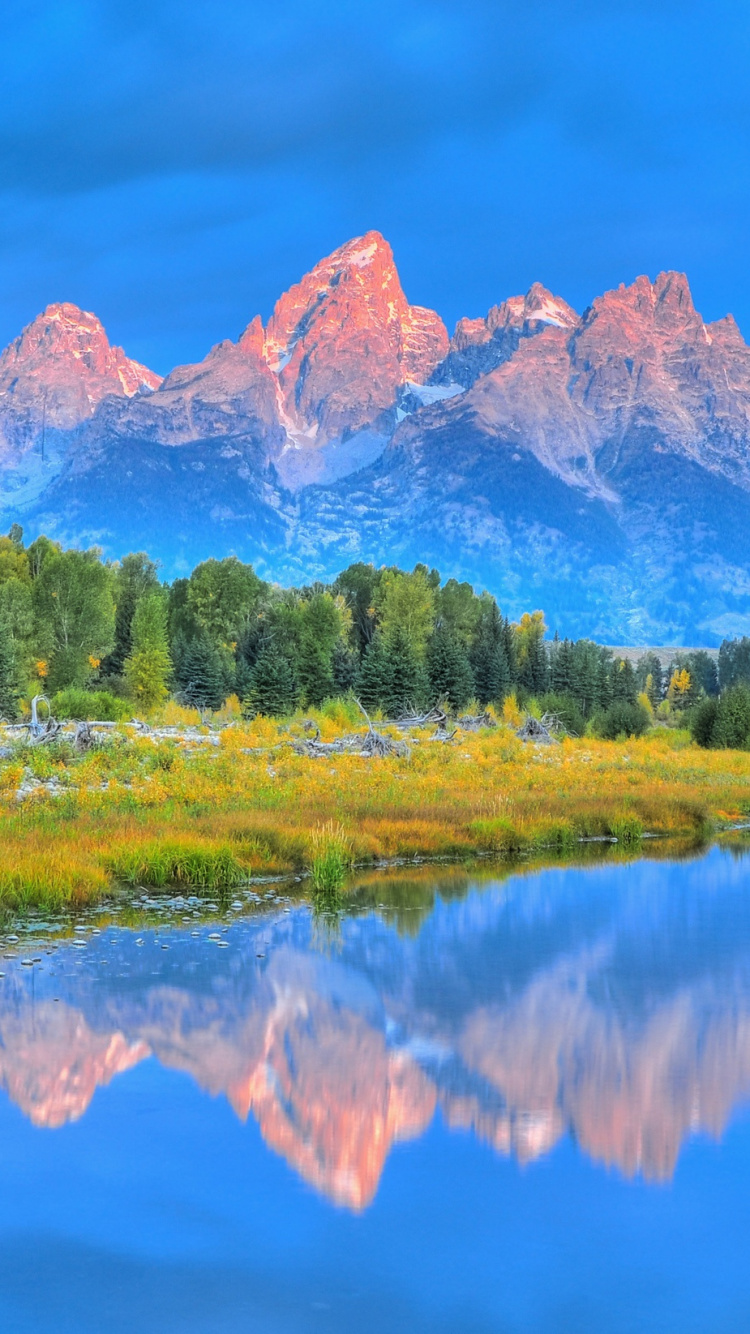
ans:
x=519 y=1108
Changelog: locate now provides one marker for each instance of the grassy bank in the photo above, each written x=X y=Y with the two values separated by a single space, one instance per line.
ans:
x=241 y=802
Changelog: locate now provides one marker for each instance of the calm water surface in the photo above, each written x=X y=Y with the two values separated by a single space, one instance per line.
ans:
x=517 y=1106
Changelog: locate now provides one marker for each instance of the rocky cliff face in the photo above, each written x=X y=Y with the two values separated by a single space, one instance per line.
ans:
x=597 y=465
x=344 y=339
x=57 y=372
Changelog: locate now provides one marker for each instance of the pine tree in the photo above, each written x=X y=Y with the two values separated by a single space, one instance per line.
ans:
x=603 y=679
x=148 y=668
x=533 y=672
x=345 y=664
x=561 y=668
x=8 y=676
x=509 y=646
x=489 y=660
x=375 y=675
x=623 y=683
x=199 y=672
x=449 y=670
x=650 y=678
x=272 y=689
x=135 y=577
x=586 y=676
x=409 y=685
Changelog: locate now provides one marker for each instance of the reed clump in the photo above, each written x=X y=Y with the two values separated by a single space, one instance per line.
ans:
x=330 y=861
x=195 y=865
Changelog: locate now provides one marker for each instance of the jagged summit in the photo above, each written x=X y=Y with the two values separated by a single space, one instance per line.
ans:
x=57 y=372
x=595 y=464
x=66 y=336
x=345 y=337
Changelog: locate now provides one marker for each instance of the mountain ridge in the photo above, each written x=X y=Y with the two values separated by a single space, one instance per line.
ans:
x=595 y=464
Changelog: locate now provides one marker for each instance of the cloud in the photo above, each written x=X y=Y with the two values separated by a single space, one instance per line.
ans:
x=96 y=92
x=173 y=165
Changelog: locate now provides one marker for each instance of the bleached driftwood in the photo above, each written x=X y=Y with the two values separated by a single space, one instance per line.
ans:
x=534 y=730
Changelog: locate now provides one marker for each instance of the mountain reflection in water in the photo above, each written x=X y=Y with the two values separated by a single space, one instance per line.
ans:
x=612 y=1006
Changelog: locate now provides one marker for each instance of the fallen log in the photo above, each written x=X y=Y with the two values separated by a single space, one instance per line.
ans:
x=474 y=722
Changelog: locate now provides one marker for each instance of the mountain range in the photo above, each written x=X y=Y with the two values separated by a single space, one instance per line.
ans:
x=594 y=465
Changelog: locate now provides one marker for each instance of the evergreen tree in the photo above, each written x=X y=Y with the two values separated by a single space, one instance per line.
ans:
x=359 y=584
x=408 y=685
x=732 y=726
x=199 y=672
x=375 y=675
x=703 y=672
x=134 y=578
x=272 y=690
x=703 y=721
x=734 y=662
x=533 y=667
x=449 y=670
x=588 y=676
x=561 y=668
x=8 y=676
x=345 y=665
x=509 y=646
x=148 y=668
x=623 y=684
x=650 y=678
x=489 y=659
x=320 y=627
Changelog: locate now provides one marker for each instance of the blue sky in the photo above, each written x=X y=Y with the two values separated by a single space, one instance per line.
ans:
x=174 y=165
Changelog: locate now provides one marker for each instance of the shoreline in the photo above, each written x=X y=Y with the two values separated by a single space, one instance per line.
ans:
x=158 y=812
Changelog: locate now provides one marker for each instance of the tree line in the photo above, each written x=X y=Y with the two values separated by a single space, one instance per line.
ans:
x=100 y=636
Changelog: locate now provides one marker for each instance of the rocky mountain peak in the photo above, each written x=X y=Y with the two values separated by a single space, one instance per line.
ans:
x=478 y=346
x=56 y=373
x=344 y=338
x=65 y=339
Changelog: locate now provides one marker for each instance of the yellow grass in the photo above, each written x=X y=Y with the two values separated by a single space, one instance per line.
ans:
x=153 y=812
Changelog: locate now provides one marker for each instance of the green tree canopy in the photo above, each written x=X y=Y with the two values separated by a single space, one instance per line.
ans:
x=406 y=606
x=9 y=688
x=148 y=667
x=134 y=577
x=222 y=595
x=359 y=584
x=489 y=655
x=323 y=621
x=74 y=612
x=200 y=672
x=459 y=610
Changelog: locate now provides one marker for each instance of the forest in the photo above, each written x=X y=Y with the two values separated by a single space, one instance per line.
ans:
x=106 y=639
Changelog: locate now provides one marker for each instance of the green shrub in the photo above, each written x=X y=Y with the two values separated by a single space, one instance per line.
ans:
x=90 y=705
x=702 y=721
x=566 y=709
x=621 y=719
x=731 y=730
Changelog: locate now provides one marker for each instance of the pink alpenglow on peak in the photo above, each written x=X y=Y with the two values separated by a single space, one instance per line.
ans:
x=56 y=373
x=538 y=307
x=344 y=338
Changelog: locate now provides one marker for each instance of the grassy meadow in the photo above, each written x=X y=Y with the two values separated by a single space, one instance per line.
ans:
x=234 y=801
